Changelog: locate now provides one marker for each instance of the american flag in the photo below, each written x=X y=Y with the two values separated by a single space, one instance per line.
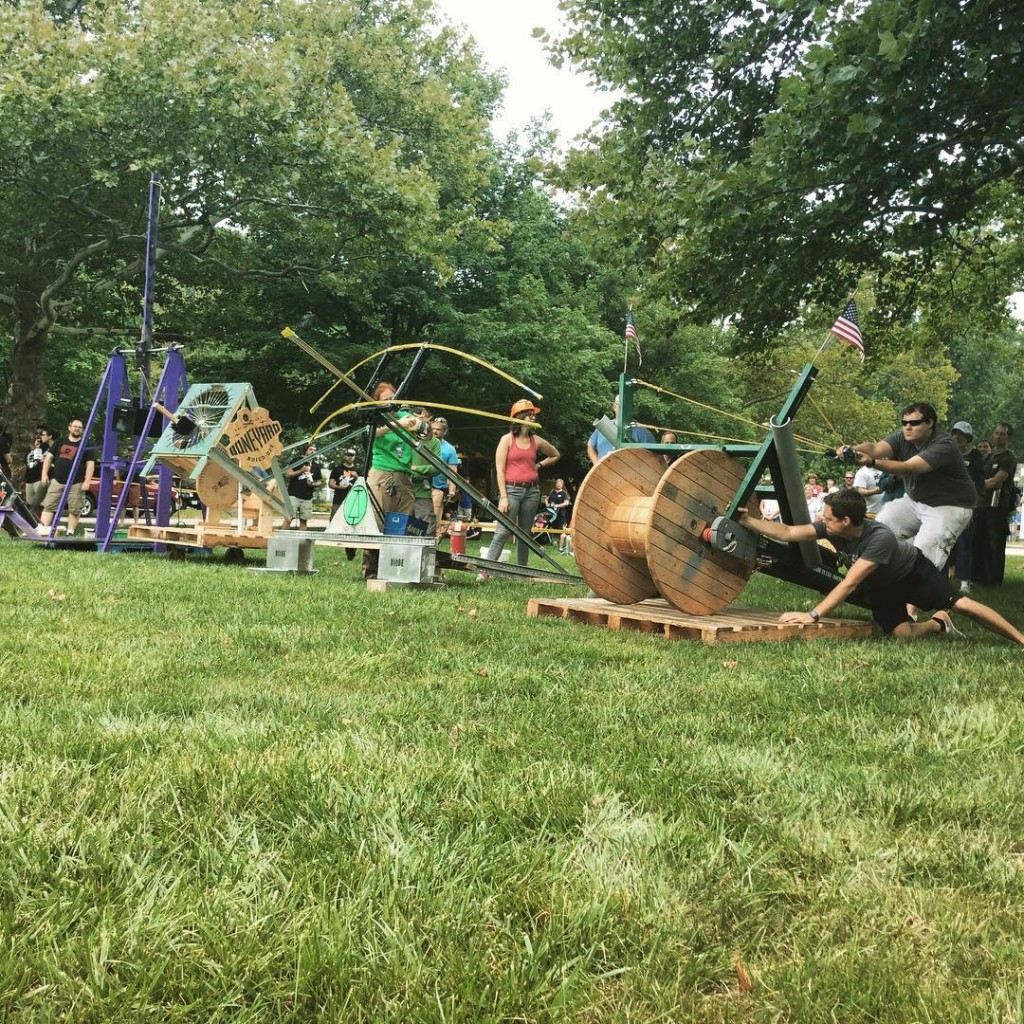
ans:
x=631 y=335
x=847 y=329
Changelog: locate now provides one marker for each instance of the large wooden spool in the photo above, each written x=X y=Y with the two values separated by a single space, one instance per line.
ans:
x=638 y=529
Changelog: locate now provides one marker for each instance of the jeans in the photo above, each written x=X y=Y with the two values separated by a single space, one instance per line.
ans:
x=523 y=502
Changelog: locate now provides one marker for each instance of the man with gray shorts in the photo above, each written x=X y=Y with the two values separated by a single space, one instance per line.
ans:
x=302 y=484
x=57 y=465
x=940 y=495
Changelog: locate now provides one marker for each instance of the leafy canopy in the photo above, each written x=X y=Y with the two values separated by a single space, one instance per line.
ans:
x=766 y=155
x=314 y=142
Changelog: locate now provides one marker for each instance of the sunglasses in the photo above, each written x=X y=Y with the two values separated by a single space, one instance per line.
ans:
x=912 y=423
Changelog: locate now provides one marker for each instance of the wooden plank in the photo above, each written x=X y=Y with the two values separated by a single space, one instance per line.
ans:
x=196 y=537
x=730 y=626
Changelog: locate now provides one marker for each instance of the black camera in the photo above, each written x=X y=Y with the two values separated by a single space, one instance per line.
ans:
x=847 y=454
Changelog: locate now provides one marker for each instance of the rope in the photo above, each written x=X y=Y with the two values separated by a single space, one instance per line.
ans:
x=728 y=415
x=697 y=433
x=821 y=413
x=718 y=437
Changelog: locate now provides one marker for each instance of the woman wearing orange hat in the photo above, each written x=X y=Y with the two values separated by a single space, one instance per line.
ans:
x=518 y=478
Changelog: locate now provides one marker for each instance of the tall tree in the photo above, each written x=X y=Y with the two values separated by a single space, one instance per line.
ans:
x=765 y=155
x=314 y=142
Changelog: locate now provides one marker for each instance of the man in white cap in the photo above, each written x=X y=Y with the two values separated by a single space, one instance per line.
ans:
x=598 y=446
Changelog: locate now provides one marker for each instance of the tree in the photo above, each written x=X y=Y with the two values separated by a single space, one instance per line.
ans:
x=305 y=142
x=767 y=156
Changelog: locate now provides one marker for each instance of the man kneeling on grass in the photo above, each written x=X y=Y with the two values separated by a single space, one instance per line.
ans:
x=889 y=573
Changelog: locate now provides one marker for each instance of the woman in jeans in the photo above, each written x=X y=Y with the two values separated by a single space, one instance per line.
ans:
x=518 y=480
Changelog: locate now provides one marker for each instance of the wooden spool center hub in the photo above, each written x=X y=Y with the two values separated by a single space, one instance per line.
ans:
x=638 y=529
x=629 y=524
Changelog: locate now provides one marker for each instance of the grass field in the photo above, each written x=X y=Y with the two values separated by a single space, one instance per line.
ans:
x=229 y=796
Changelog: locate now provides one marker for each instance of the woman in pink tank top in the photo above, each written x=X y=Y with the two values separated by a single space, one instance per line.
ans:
x=518 y=478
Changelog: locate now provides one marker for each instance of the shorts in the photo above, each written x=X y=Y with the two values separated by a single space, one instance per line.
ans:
x=52 y=499
x=924 y=586
x=302 y=508
x=35 y=493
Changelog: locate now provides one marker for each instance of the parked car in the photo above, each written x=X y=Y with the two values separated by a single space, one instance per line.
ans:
x=90 y=498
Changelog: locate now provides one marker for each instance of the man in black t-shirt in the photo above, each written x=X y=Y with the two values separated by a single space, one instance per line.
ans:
x=992 y=520
x=302 y=484
x=57 y=466
x=887 y=572
x=341 y=478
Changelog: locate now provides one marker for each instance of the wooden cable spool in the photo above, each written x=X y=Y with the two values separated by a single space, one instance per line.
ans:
x=638 y=529
x=217 y=489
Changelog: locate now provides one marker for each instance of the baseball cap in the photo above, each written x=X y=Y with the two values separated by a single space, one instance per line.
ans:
x=524 y=405
x=350 y=451
x=964 y=427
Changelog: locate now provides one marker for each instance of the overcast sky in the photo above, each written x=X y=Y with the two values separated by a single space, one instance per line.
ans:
x=503 y=32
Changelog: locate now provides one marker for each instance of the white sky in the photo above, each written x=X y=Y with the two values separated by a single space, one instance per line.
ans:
x=503 y=30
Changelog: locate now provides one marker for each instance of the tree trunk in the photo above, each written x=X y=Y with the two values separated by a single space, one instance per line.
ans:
x=25 y=402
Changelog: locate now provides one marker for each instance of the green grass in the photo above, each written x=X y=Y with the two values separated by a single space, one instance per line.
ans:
x=233 y=796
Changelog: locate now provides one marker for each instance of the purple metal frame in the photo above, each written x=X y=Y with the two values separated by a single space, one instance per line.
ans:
x=114 y=395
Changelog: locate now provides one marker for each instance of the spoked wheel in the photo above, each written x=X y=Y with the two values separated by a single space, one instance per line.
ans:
x=202 y=417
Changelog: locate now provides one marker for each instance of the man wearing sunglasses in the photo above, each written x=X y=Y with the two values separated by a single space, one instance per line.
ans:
x=939 y=495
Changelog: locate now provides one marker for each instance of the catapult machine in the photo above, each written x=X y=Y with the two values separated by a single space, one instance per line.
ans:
x=641 y=530
x=217 y=439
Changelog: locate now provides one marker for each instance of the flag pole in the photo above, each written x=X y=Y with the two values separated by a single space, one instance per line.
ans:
x=625 y=348
x=829 y=338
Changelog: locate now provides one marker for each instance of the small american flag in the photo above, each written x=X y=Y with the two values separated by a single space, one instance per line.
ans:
x=631 y=335
x=847 y=329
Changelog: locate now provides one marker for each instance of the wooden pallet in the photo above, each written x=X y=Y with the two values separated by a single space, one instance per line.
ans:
x=658 y=618
x=197 y=536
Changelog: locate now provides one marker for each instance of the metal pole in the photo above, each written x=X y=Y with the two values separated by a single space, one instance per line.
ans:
x=143 y=352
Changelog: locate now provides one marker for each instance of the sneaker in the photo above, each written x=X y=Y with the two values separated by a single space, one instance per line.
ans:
x=965 y=587
x=946 y=624
x=482 y=577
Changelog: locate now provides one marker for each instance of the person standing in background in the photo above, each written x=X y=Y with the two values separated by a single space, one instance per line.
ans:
x=517 y=468
x=35 y=490
x=998 y=503
x=440 y=484
x=303 y=482
x=961 y=558
x=56 y=476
